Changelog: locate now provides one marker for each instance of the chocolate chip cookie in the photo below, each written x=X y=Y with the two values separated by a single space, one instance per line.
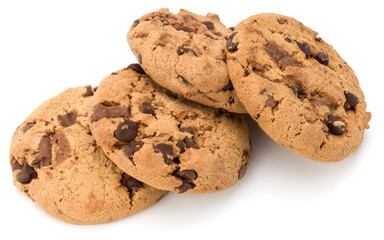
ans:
x=168 y=143
x=184 y=53
x=56 y=162
x=297 y=87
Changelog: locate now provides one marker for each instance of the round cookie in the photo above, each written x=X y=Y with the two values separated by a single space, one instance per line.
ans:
x=297 y=87
x=184 y=53
x=168 y=143
x=56 y=162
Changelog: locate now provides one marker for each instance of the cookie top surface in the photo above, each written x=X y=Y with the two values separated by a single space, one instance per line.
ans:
x=184 y=53
x=168 y=143
x=56 y=162
x=297 y=87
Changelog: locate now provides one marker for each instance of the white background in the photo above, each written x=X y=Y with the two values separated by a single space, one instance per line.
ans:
x=47 y=46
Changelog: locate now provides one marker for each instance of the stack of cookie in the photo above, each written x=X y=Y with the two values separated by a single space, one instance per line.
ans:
x=175 y=121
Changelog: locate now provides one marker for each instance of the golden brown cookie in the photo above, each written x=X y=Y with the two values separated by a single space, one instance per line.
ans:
x=184 y=53
x=170 y=144
x=297 y=87
x=56 y=162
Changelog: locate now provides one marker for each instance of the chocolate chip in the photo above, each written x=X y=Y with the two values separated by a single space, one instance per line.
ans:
x=335 y=125
x=136 y=67
x=242 y=171
x=257 y=68
x=189 y=142
x=271 y=103
x=185 y=29
x=351 y=101
x=262 y=91
x=299 y=92
x=165 y=21
x=113 y=73
x=27 y=126
x=26 y=174
x=63 y=147
x=16 y=165
x=126 y=131
x=288 y=39
x=288 y=61
x=275 y=52
x=184 y=80
x=186 y=129
x=185 y=186
x=136 y=22
x=281 y=20
x=246 y=73
x=140 y=58
x=322 y=57
x=166 y=150
x=232 y=28
x=44 y=153
x=305 y=48
x=67 y=119
x=102 y=111
x=89 y=92
x=209 y=25
x=180 y=145
x=132 y=147
x=231 y=46
x=227 y=87
x=189 y=175
x=147 y=108
x=131 y=183
x=182 y=50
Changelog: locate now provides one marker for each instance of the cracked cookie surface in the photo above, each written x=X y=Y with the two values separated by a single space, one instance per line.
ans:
x=56 y=162
x=297 y=87
x=168 y=143
x=184 y=53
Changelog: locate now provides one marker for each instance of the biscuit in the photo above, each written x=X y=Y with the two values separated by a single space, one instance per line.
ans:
x=56 y=162
x=168 y=143
x=297 y=87
x=184 y=53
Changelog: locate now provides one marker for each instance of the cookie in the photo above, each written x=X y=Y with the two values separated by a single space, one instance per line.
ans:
x=56 y=162
x=168 y=143
x=184 y=53
x=297 y=87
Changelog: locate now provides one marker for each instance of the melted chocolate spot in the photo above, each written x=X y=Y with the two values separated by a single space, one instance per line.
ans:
x=305 y=48
x=166 y=150
x=185 y=29
x=209 y=25
x=63 y=147
x=132 y=147
x=182 y=50
x=231 y=46
x=67 y=119
x=102 y=111
x=147 y=108
x=131 y=183
x=44 y=153
x=26 y=175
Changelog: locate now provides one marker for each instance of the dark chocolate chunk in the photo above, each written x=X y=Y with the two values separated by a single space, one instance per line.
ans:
x=305 y=48
x=63 y=147
x=132 y=147
x=275 y=52
x=102 y=111
x=27 y=126
x=185 y=29
x=89 y=91
x=335 y=125
x=189 y=142
x=113 y=73
x=180 y=145
x=182 y=50
x=189 y=175
x=288 y=39
x=165 y=21
x=185 y=186
x=166 y=150
x=270 y=102
x=186 y=129
x=232 y=28
x=242 y=171
x=131 y=183
x=299 y=92
x=229 y=86
x=281 y=20
x=351 y=101
x=126 y=131
x=288 y=61
x=246 y=73
x=147 y=108
x=136 y=22
x=16 y=165
x=209 y=25
x=136 y=67
x=322 y=57
x=44 y=153
x=140 y=58
x=67 y=119
x=176 y=160
x=231 y=46
x=26 y=174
